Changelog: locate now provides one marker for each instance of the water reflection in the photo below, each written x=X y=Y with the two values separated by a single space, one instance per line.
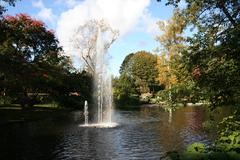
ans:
x=144 y=134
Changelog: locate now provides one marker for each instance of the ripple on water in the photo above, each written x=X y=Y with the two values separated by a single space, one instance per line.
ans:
x=100 y=125
x=145 y=134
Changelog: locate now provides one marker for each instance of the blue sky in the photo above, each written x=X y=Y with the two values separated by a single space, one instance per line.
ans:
x=138 y=26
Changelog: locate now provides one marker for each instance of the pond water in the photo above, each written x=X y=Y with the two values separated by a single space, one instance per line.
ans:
x=144 y=134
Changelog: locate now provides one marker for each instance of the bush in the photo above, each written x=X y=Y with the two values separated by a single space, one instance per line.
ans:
x=229 y=135
x=196 y=148
x=5 y=100
x=209 y=125
x=145 y=97
x=76 y=102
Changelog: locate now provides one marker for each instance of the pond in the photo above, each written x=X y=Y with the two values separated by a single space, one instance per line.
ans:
x=144 y=134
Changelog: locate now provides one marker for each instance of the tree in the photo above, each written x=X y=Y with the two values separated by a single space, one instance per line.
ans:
x=211 y=17
x=2 y=7
x=30 y=57
x=172 y=41
x=85 y=41
x=138 y=74
x=124 y=90
x=125 y=64
x=142 y=67
x=172 y=44
x=74 y=89
x=212 y=56
x=29 y=39
x=212 y=61
x=166 y=76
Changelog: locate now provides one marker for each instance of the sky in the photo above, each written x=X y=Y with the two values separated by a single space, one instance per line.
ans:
x=135 y=20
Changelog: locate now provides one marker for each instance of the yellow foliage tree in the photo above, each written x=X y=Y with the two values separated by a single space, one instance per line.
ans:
x=172 y=44
x=165 y=73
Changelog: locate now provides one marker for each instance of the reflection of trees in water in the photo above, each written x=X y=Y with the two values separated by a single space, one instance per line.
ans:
x=184 y=128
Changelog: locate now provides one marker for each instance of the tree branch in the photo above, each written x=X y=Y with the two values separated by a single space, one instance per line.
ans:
x=221 y=5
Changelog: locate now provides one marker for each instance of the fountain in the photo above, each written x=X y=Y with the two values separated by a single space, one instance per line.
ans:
x=86 y=112
x=103 y=87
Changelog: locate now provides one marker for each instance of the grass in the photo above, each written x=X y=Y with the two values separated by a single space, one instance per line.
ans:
x=35 y=107
x=48 y=105
x=14 y=113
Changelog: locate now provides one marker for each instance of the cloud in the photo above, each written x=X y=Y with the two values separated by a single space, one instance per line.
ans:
x=182 y=4
x=45 y=13
x=142 y=43
x=148 y=23
x=70 y=3
x=123 y=15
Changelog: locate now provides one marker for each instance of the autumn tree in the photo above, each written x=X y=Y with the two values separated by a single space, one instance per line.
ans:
x=212 y=60
x=85 y=40
x=212 y=57
x=172 y=44
x=30 y=58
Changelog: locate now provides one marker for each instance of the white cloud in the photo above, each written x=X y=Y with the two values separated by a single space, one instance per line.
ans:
x=182 y=4
x=70 y=3
x=38 y=4
x=123 y=15
x=45 y=13
x=148 y=23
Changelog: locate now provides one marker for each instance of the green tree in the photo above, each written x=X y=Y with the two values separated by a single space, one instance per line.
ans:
x=207 y=13
x=138 y=74
x=125 y=64
x=74 y=89
x=124 y=90
x=142 y=68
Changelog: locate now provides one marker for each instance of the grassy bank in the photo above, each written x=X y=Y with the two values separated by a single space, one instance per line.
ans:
x=14 y=113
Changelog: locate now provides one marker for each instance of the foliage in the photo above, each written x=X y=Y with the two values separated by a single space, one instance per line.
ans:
x=166 y=76
x=172 y=41
x=216 y=69
x=32 y=66
x=125 y=67
x=229 y=143
x=209 y=125
x=196 y=148
x=67 y=101
x=205 y=14
x=211 y=57
x=172 y=71
x=146 y=97
x=137 y=77
x=229 y=135
x=3 y=8
x=172 y=44
x=124 y=90
x=212 y=64
x=180 y=94
x=27 y=50
x=142 y=69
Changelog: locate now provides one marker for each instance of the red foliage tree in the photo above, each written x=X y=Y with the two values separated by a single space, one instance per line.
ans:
x=30 y=37
x=29 y=55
